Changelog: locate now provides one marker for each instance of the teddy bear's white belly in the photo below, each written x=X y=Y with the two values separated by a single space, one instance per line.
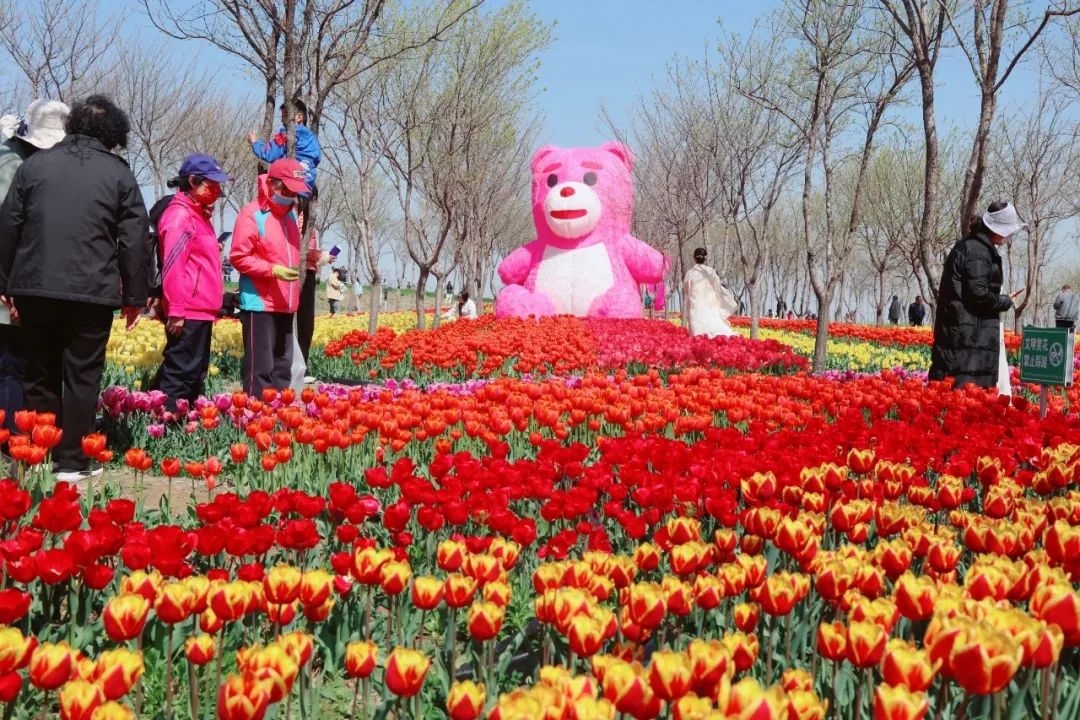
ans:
x=572 y=279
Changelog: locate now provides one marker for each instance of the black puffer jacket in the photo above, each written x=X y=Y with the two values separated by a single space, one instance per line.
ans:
x=967 y=329
x=74 y=227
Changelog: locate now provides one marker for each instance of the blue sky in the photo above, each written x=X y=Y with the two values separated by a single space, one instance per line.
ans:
x=613 y=50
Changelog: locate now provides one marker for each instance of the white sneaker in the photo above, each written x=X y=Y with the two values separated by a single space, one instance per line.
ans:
x=75 y=476
x=309 y=379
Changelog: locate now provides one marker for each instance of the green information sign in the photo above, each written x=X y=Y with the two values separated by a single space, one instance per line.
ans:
x=1046 y=356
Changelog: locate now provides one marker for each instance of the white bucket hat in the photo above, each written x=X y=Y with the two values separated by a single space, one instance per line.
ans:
x=1005 y=222
x=43 y=124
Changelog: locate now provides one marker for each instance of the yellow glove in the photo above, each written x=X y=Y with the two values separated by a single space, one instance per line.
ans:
x=287 y=274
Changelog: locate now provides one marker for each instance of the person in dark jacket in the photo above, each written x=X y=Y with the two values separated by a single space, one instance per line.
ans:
x=42 y=127
x=74 y=246
x=894 y=310
x=916 y=312
x=968 y=341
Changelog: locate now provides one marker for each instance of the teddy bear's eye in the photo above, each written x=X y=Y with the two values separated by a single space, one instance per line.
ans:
x=553 y=180
x=590 y=178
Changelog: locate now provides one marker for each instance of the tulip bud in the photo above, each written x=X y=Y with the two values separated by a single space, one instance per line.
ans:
x=484 y=621
x=405 y=671
x=465 y=701
x=670 y=674
x=360 y=659
x=117 y=671
x=79 y=699
x=125 y=616
x=199 y=649
x=243 y=697
x=50 y=665
x=899 y=703
x=282 y=584
x=394 y=577
x=113 y=710
x=15 y=650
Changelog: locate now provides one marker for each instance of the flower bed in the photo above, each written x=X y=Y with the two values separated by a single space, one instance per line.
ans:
x=565 y=519
x=558 y=345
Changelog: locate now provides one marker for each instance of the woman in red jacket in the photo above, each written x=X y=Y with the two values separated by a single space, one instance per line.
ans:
x=191 y=284
x=266 y=253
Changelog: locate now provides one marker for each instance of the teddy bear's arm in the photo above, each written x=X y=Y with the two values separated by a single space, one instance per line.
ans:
x=645 y=263
x=514 y=269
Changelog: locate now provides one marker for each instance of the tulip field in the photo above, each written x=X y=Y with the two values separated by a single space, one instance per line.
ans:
x=565 y=519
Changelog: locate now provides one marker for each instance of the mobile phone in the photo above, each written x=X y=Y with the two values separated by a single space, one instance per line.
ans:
x=335 y=251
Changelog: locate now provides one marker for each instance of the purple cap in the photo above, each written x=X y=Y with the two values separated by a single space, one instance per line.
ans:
x=204 y=166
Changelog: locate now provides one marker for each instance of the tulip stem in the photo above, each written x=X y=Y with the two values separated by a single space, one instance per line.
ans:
x=787 y=640
x=356 y=699
x=1057 y=692
x=367 y=691
x=858 y=700
x=168 y=674
x=217 y=664
x=942 y=699
x=194 y=690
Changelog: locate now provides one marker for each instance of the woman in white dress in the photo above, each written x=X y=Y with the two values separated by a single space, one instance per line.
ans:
x=463 y=309
x=708 y=302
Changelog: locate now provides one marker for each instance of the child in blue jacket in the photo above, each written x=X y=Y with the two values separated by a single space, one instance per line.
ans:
x=307 y=151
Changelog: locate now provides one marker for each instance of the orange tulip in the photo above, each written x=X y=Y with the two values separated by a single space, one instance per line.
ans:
x=112 y=710
x=744 y=649
x=175 y=603
x=1059 y=604
x=243 y=697
x=465 y=701
x=79 y=699
x=50 y=665
x=282 y=584
x=984 y=660
x=117 y=671
x=459 y=590
x=427 y=592
x=199 y=649
x=865 y=643
x=670 y=674
x=903 y=664
x=405 y=671
x=15 y=650
x=125 y=616
x=360 y=659
x=485 y=619
x=450 y=555
x=586 y=636
x=394 y=577
x=746 y=616
x=315 y=587
x=832 y=641
x=899 y=703
x=915 y=596
x=710 y=662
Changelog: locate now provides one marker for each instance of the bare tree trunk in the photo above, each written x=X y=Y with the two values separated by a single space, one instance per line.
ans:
x=421 y=289
x=374 y=305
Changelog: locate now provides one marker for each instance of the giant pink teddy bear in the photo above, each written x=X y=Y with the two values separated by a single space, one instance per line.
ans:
x=584 y=261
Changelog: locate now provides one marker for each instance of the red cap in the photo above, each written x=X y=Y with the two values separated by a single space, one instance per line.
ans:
x=292 y=173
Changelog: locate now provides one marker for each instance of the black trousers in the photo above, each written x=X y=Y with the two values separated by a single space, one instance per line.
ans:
x=12 y=371
x=65 y=355
x=186 y=362
x=305 y=313
x=1066 y=324
x=268 y=348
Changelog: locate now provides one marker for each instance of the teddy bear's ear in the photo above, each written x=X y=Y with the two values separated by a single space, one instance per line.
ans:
x=542 y=153
x=620 y=151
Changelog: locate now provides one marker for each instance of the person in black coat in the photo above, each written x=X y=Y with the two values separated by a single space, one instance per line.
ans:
x=967 y=329
x=894 y=310
x=74 y=246
x=916 y=312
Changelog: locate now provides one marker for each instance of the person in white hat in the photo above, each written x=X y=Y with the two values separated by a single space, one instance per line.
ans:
x=41 y=128
x=969 y=339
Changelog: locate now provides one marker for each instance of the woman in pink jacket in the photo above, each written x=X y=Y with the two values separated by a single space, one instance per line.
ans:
x=191 y=284
x=266 y=253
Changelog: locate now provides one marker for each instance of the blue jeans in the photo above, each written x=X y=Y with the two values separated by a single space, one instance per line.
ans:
x=12 y=370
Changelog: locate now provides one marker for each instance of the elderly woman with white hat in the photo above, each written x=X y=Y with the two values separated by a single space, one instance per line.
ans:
x=969 y=339
x=40 y=129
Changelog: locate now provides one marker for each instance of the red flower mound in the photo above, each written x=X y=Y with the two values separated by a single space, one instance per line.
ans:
x=559 y=345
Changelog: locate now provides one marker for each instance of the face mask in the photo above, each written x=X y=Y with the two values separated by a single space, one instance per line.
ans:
x=206 y=194
x=282 y=200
